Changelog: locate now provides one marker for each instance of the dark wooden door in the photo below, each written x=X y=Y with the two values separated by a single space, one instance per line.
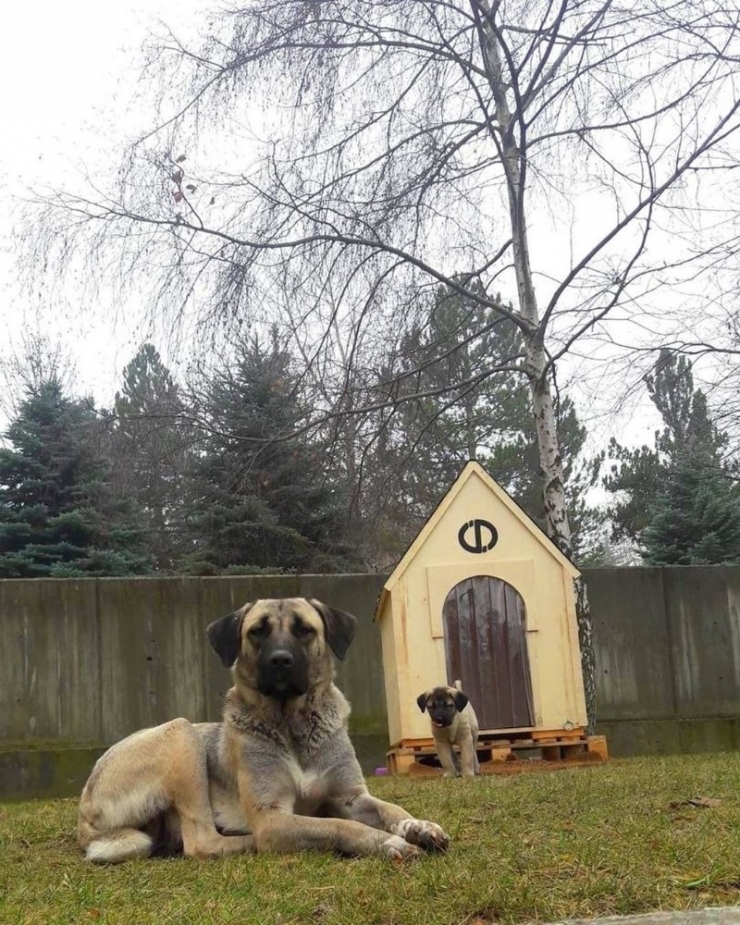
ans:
x=486 y=647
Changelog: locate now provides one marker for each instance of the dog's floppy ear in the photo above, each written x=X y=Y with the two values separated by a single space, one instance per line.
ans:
x=225 y=635
x=340 y=627
x=422 y=701
x=461 y=701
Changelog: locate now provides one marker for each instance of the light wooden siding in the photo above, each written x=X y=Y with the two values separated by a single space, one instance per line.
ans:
x=523 y=558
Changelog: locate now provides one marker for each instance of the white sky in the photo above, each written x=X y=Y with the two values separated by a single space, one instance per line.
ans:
x=67 y=73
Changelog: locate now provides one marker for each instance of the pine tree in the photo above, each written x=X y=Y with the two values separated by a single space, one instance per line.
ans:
x=261 y=499
x=635 y=478
x=150 y=448
x=695 y=519
x=472 y=404
x=57 y=517
x=679 y=501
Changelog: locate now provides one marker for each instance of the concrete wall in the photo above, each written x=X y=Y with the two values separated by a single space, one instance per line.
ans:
x=86 y=662
x=668 y=657
x=90 y=661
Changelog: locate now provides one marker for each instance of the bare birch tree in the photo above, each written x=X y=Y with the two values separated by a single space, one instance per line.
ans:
x=367 y=149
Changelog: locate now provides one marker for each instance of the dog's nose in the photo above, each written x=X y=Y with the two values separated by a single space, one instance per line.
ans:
x=281 y=659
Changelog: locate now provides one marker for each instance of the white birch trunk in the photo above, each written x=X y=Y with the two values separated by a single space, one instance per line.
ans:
x=535 y=365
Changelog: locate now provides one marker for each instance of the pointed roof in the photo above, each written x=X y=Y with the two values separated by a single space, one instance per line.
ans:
x=472 y=470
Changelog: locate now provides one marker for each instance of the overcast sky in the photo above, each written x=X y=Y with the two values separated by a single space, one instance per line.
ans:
x=68 y=72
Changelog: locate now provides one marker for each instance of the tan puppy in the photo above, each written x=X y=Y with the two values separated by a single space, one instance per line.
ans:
x=279 y=773
x=453 y=723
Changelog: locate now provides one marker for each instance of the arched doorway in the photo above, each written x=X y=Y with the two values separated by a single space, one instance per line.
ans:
x=484 y=622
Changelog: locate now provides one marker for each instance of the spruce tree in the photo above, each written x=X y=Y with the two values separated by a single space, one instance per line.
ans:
x=150 y=448
x=260 y=498
x=678 y=501
x=57 y=517
x=695 y=518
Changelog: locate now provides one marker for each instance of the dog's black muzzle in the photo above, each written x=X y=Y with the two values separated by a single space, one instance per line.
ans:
x=442 y=716
x=282 y=670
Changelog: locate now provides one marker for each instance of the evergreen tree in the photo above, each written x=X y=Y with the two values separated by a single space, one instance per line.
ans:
x=471 y=404
x=635 y=478
x=57 y=516
x=261 y=500
x=150 y=448
x=678 y=501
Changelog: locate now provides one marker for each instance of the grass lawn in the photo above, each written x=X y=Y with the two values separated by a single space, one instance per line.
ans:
x=614 y=838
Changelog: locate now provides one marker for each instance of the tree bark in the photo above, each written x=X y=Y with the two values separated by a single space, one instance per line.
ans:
x=513 y=159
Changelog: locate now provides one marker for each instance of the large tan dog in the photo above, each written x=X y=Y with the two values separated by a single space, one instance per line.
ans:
x=278 y=774
x=453 y=722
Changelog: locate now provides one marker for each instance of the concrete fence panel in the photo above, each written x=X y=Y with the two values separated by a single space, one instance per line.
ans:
x=85 y=662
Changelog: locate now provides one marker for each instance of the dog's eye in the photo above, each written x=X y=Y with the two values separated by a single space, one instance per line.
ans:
x=303 y=630
x=260 y=631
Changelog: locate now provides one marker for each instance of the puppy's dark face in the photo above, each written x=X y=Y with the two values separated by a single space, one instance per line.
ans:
x=442 y=704
x=280 y=647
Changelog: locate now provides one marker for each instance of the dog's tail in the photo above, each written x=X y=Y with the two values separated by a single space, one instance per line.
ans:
x=121 y=845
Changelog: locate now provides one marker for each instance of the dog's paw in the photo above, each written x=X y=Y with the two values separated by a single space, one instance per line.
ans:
x=427 y=835
x=397 y=848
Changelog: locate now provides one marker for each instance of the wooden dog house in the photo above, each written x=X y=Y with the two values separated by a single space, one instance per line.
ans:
x=483 y=596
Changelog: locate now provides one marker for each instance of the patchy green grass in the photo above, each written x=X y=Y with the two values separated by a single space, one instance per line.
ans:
x=614 y=838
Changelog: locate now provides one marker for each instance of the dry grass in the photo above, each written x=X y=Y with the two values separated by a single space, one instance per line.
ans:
x=613 y=838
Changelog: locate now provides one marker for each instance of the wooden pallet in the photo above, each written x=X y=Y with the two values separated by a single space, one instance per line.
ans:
x=513 y=747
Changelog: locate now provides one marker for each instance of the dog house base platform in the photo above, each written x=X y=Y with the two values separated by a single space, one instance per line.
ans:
x=505 y=752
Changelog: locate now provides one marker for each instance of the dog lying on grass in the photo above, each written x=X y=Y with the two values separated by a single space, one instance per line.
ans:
x=278 y=774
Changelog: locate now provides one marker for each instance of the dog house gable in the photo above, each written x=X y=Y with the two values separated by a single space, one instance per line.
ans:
x=477 y=522
x=477 y=542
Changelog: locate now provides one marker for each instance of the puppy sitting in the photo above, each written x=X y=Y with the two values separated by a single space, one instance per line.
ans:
x=453 y=723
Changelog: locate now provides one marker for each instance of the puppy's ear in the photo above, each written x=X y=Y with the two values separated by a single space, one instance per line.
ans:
x=339 y=627
x=225 y=635
x=422 y=701
x=461 y=701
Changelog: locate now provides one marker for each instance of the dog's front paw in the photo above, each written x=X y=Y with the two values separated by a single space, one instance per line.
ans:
x=427 y=835
x=397 y=848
